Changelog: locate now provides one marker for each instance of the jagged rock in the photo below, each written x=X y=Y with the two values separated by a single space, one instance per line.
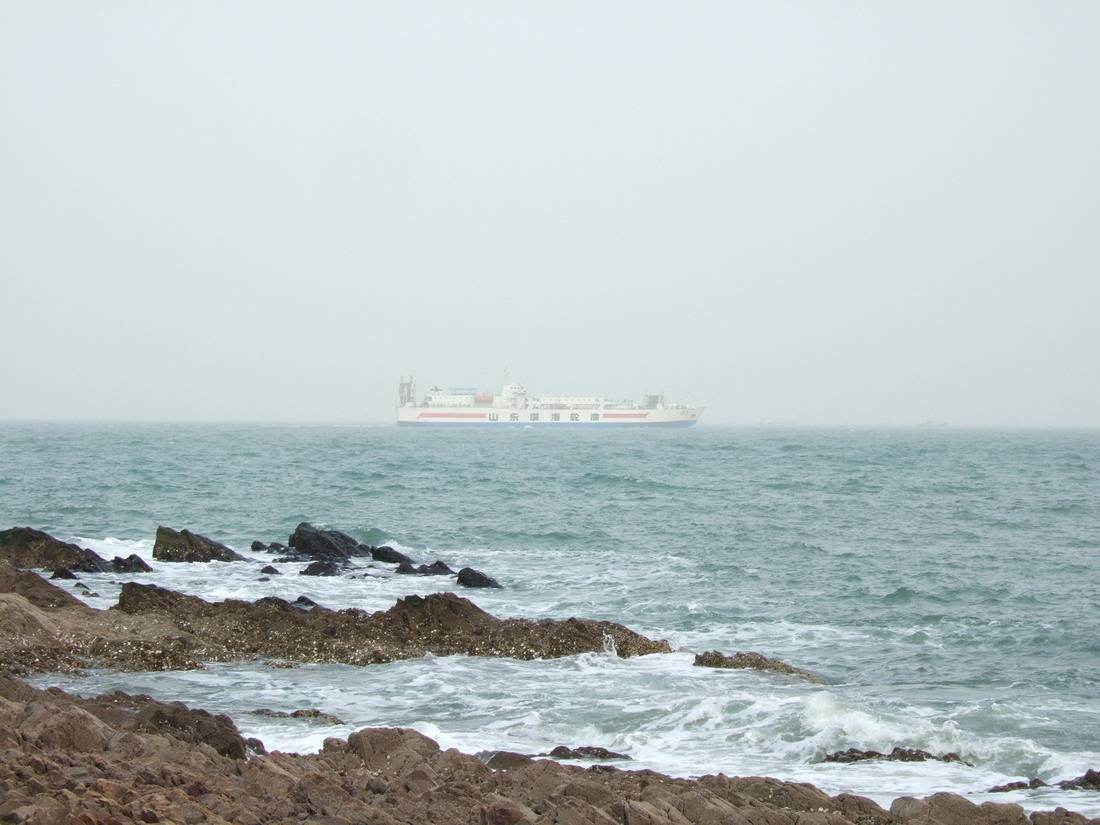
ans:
x=1088 y=781
x=63 y=573
x=896 y=755
x=321 y=568
x=405 y=568
x=584 y=752
x=441 y=623
x=133 y=563
x=37 y=591
x=258 y=547
x=1031 y=784
x=185 y=546
x=323 y=544
x=61 y=762
x=269 y=570
x=388 y=554
x=276 y=547
x=436 y=568
x=307 y=713
x=468 y=577
x=752 y=661
x=29 y=548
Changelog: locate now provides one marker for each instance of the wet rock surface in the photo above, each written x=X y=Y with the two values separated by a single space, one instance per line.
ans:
x=125 y=759
x=1031 y=785
x=388 y=554
x=63 y=573
x=307 y=713
x=185 y=546
x=468 y=577
x=752 y=661
x=441 y=623
x=131 y=564
x=268 y=570
x=1088 y=781
x=896 y=755
x=321 y=568
x=44 y=628
x=584 y=752
x=315 y=543
x=29 y=548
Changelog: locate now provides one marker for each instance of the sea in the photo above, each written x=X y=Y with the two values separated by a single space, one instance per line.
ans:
x=942 y=582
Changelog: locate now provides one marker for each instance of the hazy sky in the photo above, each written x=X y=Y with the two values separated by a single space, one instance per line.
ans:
x=835 y=213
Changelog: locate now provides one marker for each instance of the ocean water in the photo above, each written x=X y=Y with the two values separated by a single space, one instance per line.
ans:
x=943 y=583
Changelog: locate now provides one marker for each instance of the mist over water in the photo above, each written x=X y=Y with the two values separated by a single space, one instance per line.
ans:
x=942 y=582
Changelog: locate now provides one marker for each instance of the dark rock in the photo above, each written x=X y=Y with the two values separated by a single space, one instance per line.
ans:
x=26 y=547
x=92 y=595
x=504 y=760
x=308 y=713
x=304 y=602
x=468 y=577
x=294 y=558
x=406 y=568
x=269 y=570
x=63 y=573
x=436 y=568
x=896 y=755
x=255 y=746
x=258 y=547
x=388 y=554
x=323 y=544
x=752 y=661
x=37 y=591
x=183 y=545
x=276 y=547
x=1088 y=781
x=585 y=752
x=133 y=563
x=1018 y=786
x=264 y=579
x=321 y=568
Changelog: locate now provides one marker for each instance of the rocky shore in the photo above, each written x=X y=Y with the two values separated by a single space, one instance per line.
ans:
x=124 y=758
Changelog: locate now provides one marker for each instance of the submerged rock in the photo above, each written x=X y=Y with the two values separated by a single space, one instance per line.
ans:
x=323 y=544
x=585 y=752
x=29 y=548
x=63 y=573
x=388 y=554
x=185 y=546
x=896 y=755
x=307 y=713
x=1031 y=784
x=321 y=568
x=269 y=570
x=752 y=661
x=133 y=563
x=468 y=577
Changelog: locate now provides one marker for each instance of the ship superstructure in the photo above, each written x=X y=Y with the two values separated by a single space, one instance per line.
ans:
x=514 y=405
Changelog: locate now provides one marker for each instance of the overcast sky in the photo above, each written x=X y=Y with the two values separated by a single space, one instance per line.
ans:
x=821 y=213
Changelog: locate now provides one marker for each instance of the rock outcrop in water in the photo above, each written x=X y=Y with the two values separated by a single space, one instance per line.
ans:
x=125 y=759
x=752 y=661
x=311 y=714
x=29 y=548
x=185 y=546
x=584 y=752
x=441 y=623
x=896 y=755
x=468 y=577
x=44 y=628
x=133 y=563
x=330 y=545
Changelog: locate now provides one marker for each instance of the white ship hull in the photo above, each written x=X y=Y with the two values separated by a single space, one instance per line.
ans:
x=524 y=416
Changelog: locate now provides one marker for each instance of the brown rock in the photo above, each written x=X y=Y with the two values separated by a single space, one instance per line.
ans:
x=752 y=661
x=29 y=548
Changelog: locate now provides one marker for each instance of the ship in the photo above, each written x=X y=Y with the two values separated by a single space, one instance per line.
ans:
x=513 y=405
